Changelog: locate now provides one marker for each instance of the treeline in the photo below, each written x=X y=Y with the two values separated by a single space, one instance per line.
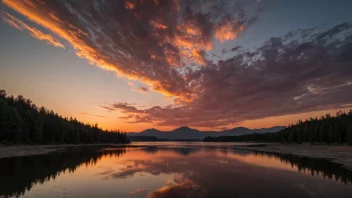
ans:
x=22 y=122
x=327 y=129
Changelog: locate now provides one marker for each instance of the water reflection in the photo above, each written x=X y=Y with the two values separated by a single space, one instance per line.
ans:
x=314 y=167
x=172 y=171
x=20 y=174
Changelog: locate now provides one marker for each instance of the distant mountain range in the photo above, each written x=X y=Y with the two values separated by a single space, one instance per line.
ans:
x=189 y=133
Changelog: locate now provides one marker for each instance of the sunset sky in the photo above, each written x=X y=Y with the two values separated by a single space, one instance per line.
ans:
x=210 y=65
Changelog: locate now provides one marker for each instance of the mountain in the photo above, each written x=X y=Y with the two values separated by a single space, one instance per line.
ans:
x=189 y=133
x=235 y=131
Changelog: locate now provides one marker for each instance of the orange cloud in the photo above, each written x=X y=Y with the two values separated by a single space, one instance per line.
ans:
x=157 y=25
x=13 y=21
x=156 y=2
x=129 y=5
x=198 y=58
x=192 y=30
x=228 y=31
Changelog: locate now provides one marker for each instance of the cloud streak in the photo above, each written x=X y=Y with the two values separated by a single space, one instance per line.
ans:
x=99 y=116
x=16 y=23
x=142 y=90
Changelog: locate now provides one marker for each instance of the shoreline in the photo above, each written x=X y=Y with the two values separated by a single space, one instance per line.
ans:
x=29 y=150
x=339 y=154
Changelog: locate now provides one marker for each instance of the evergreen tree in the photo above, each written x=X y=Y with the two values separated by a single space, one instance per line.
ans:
x=331 y=134
x=349 y=135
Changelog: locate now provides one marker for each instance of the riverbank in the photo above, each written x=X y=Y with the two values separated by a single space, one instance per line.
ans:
x=341 y=154
x=27 y=150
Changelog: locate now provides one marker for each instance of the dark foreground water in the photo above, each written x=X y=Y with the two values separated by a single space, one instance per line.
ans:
x=172 y=170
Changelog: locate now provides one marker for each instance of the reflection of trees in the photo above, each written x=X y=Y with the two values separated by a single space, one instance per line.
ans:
x=183 y=151
x=314 y=166
x=19 y=174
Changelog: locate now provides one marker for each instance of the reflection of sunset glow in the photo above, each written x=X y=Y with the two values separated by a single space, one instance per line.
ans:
x=259 y=160
x=171 y=170
x=179 y=186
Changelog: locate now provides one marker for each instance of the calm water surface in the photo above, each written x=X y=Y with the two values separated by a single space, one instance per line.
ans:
x=172 y=170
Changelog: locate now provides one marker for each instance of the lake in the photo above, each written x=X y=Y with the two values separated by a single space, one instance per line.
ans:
x=172 y=170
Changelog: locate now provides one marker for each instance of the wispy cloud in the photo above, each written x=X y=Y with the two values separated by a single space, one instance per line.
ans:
x=141 y=90
x=138 y=191
x=15 y=22
x=99 y=116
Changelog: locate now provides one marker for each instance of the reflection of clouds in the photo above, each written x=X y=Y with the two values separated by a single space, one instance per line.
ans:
x=130 y=169
x=107 y=171
x=164 y=164
x=217 y=173
x=178 y=187
x=261 y=160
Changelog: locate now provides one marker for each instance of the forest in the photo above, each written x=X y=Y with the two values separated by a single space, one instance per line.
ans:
x=22 y=122
x=326 y=129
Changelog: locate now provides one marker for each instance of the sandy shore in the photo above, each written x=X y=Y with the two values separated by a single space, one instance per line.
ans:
x=27 y=150
x=338 y=154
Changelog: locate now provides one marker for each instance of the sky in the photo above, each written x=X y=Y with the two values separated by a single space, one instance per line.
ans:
x=210 y=65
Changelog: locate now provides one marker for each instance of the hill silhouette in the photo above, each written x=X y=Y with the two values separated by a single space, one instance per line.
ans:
x=185 y=132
